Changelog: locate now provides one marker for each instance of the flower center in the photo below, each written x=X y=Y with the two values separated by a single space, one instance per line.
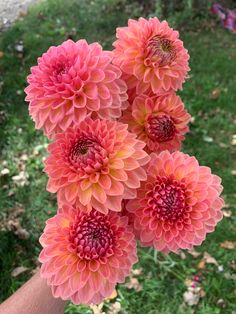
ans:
x=93 y=236
x=160 y=51
x=82 y=147
x=168 y=200
x=87 y=155
x=160 y=128
x=59 y=69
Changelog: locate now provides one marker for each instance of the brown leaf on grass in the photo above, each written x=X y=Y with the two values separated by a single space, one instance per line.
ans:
x=233 y=141
x=21 y=179
x=114 y=308
x=18 y=270
x=230 y=205
x=15 y=226
x=221 y=303
x=137 y=271
x=191 y=298
x=194 y=291
x=232 y=265
x=97 y=309
x=4 y=172
x=230 y=276
x=227 y=213
x=223 y=145
x=228 y=245
x=11 y=222
x=181 y=254
x=134 y=284
x=215 y=93
x=188 y=282
x=16 y=211
x=1 y=54
x=209 y=259
x=194 y=253
x=201 y=264
x=233 y=172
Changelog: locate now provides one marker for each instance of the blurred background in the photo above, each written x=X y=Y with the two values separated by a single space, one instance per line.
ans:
x=200 y=281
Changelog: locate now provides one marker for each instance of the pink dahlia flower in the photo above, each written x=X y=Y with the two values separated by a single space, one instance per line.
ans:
x=151 y=52
x=178 y=204
x=161 y=122
x=71 y=81
x=86 y=254
x=97 y=164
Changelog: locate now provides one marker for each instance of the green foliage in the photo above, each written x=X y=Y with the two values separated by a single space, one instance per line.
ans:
x=213 y=65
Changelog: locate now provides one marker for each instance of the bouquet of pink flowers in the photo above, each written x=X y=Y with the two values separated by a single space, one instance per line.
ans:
x=116 y=126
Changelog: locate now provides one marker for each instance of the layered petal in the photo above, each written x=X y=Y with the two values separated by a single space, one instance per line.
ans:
x=161 y=122
x=151 y=56
x=98 y=252
x=96 y=164
x=72 y=81
x=178 y=204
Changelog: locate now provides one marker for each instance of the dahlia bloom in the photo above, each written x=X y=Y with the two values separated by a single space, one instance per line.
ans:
x=71 y=81
x=96 y=164
x=161 y=122
x=85 y=254
x=152 y=53
x=178 y=204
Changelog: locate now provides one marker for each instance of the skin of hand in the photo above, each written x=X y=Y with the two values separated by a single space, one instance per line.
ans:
x=34 y=297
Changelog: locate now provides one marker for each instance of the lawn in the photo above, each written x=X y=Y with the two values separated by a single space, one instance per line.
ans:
x=160 y=281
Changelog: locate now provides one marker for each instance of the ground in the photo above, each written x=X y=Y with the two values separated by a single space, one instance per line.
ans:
x=11 y=9
x=160 y=283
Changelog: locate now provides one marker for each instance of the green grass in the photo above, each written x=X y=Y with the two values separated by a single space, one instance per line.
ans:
x=213 y=64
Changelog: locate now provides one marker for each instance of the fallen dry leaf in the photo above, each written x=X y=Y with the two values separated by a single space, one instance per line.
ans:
x=97 y=309
x=233 y=141
x=134 y=284
x=227 y=275
x=232 y=265
x=15 y=226
x=228 y=245
x=201 y=264
x=221 y=303
x=188 y=282
x=202 y=293
x=193 y=294
x=209 y=259
x=194 y=253
x=181 y=254
x=191 y=298
x=137 y=271
x=233 y=172
x=18 y=270
x=215 y=93
x=1 y=54
x=223 y=145
x=5 y=171
x=227 y=213
x=21 y=179
x=114 y=308
x=24 y=157
x=16 y=211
